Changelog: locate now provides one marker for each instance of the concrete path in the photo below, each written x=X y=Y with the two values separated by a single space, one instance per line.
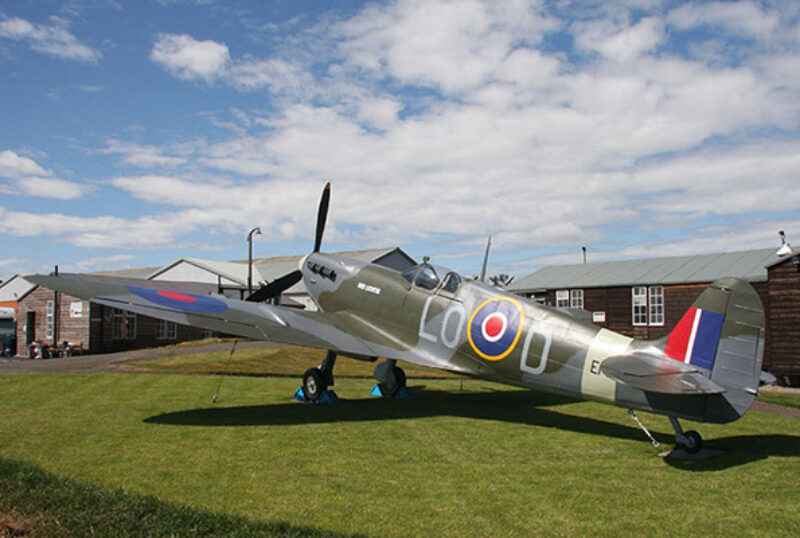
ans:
x=107 y=362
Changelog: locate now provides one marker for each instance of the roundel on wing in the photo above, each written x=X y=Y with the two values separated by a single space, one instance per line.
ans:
x=495 y=327
x=184 y=302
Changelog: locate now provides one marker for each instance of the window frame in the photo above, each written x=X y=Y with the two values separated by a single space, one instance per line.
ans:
x=562 y=298
x=123 y=324
x=576 y=298
x=655 y=308
x=50 y=319
x=639 y=307
x=166 y=330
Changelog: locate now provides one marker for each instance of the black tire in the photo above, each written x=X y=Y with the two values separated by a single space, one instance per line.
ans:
x=313 y=384
x=399 y=382
x=694 y=442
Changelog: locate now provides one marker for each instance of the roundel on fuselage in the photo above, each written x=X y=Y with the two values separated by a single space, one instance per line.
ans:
x=495 y=327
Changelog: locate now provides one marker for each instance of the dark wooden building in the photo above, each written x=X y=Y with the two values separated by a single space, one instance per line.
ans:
x=645 y=298
x=783 y=321
x=51 y=319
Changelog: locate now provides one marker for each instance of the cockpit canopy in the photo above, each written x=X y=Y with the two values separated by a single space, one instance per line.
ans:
x=428 y=277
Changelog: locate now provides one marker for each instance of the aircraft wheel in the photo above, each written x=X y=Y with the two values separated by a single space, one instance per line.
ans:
x=694 y=442
x=313 y=384
x=399 y=382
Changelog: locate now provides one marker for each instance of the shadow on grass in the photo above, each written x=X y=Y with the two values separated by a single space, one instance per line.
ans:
x=519 y=407
x=739 y=450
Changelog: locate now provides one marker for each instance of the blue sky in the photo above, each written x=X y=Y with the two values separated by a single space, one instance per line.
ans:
x=135 y=133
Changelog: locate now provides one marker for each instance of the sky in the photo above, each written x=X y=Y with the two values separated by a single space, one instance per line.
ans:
x=134 y=133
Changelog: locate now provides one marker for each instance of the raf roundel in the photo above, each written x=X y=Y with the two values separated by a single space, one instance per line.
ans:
x=184 y=302
x=495 y=327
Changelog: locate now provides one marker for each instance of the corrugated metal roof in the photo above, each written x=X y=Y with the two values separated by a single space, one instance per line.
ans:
x=702 y=268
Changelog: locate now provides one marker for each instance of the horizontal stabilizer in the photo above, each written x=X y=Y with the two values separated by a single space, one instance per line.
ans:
x=654 y=374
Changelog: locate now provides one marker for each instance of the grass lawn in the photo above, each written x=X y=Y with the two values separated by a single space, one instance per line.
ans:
x=788 y=399
x=268 y=361
x=483 y=461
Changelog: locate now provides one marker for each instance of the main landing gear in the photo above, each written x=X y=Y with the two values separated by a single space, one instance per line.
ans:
x=316 y=382
x=691 y=441
x=391 y=379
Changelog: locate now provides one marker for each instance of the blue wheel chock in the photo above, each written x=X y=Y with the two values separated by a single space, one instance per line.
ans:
x=327 y=397
x=404 y=393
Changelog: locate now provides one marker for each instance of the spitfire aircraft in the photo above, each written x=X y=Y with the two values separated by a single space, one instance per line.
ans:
x=707 y=369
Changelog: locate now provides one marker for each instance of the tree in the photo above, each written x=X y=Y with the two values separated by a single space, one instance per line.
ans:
x=502 y=280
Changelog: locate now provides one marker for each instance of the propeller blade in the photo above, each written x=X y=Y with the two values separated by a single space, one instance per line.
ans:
x=276 y=287
x=322 y=215
x=486 y=259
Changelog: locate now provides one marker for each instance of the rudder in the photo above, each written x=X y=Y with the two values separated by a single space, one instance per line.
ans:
x=722 y=335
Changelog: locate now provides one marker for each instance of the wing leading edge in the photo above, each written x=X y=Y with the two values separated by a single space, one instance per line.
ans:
x=194 y=305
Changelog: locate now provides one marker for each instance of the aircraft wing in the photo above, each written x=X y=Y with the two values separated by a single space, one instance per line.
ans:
x=655 y=374
x=175 y=302
x=191 y=304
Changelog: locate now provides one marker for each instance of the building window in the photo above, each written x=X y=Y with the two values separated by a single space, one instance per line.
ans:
x=50 y=320
x=166 y=330
x=647 y=306
x=562 y=298
x=639 y=305
x=656 y=306
x=123 y=324
x=576 y=298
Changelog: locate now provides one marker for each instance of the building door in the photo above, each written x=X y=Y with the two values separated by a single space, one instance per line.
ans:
x=30 y=328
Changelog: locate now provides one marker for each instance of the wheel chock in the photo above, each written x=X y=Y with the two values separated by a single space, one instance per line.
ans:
x=404 y=393
x=327 y=397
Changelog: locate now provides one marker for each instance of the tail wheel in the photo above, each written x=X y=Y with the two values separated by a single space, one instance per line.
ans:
x=399 y=382
x=694 y=442
x=313 y=384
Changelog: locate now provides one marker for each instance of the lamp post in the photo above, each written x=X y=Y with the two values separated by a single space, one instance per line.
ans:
x=255 y=230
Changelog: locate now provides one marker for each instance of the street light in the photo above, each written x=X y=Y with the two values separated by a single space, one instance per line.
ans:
x=255 y=230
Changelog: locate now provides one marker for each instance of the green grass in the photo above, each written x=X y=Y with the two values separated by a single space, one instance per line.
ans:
x=781 y=398
x=37 y=502
x=488 y=460
x=268 y=361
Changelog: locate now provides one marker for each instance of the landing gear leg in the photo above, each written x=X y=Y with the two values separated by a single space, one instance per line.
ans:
x=391 y=378
x=317 y=380
x=691 y=441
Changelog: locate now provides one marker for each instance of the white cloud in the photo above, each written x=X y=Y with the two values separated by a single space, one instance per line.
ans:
x=54 y=39
x=744 y=18
x=28 y=178
x=186 y=57
x=14 y=166
x=452 y=46
x=49 y=187
x=143 y=156
x=621 y=44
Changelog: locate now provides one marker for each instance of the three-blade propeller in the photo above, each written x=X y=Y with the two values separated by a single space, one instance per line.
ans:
x=279 y=285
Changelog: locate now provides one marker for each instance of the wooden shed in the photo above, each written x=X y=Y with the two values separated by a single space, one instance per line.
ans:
x=783 y=322
x=645 y=298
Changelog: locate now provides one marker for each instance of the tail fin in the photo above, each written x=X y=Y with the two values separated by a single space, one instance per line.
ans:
x=722 y=335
